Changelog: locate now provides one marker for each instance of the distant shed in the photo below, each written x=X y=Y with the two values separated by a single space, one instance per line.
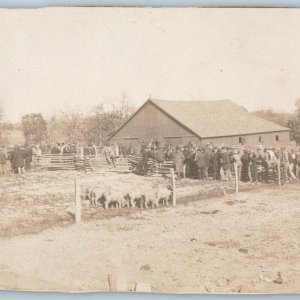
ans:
x=181 y=122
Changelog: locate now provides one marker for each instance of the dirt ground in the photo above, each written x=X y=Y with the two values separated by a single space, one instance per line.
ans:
x=245 y=243
x=37 y=201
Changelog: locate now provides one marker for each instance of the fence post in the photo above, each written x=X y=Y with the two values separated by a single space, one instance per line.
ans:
x=236 y=177
x=156 y=168
x=279 y=171
x=77 y=202
x=112 y=283
x=173 y=186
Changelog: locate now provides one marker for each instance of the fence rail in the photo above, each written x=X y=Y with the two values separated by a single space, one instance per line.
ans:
x=151 y=167
x=72 y=162
x=129 y=164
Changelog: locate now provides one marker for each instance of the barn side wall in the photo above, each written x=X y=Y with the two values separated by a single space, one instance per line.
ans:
x=267 y=139
x=150 y=123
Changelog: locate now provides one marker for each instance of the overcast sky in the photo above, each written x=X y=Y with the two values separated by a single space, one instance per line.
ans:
x=56 y=57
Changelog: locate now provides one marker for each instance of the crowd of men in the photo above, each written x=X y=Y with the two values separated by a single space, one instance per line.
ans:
x=198 y=162
x=19 y=159
x=201 y=162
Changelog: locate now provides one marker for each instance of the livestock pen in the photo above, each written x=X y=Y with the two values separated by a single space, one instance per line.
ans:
x=46 y=197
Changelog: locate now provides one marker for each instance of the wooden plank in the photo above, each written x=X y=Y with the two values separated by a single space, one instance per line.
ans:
x=236 y=176
x=112 y=283
x=117 y=282
x=173 y=186
x=279 y=172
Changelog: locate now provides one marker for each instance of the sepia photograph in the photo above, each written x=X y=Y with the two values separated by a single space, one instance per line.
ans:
x=150 y=150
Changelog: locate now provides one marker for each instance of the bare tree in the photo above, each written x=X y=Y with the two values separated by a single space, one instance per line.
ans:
x=122 y=110
x=72 y=124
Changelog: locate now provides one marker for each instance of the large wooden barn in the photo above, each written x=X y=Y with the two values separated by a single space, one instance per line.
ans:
x=181 y=122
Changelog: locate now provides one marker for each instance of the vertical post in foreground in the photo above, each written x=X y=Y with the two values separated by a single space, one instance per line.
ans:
x=112 y=283
x=173 y=186
x=117 y=282
x=279 y=172
x=77 y=202
x=236 y=177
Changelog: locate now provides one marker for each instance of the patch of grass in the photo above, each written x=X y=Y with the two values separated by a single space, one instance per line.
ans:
x=35 y=225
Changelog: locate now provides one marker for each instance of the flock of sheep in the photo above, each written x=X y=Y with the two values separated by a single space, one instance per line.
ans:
x=137 y=196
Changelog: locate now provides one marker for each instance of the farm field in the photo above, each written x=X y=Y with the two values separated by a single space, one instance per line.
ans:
x=208 y=243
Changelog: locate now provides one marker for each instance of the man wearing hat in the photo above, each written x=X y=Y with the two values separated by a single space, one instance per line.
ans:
x=237 y=160
x=193 y=168
x=207 y=157
x=13 y=159
x=262 y=159
x=246 y=173
x=19 y=158
x=253 y=166
x=225 y=165
x=201 y=163
x=216 y=163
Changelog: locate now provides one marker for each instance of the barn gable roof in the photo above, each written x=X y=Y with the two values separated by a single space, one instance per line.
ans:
x=209 y=119
x=216 y=118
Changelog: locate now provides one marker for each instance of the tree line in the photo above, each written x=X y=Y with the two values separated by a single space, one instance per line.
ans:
x=72 y=125
x=290 y=120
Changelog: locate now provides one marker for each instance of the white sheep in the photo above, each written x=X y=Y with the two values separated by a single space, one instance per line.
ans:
x=85 y=193
x=96 y=195
x=164 y=195
x=114 y=197
x=149 y=196
x=134 y=196
x=89 y=193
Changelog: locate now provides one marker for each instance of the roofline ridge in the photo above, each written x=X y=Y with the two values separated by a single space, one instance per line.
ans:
x=158 y=104
x=195 y=101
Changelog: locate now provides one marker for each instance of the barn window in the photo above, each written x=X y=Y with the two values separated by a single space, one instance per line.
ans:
x=260 y=139
x=277 y=138
x=242 y=140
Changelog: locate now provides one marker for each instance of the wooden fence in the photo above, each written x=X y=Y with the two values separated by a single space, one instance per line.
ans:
x=125 y=165
x=152 y=167
x=72 y=162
